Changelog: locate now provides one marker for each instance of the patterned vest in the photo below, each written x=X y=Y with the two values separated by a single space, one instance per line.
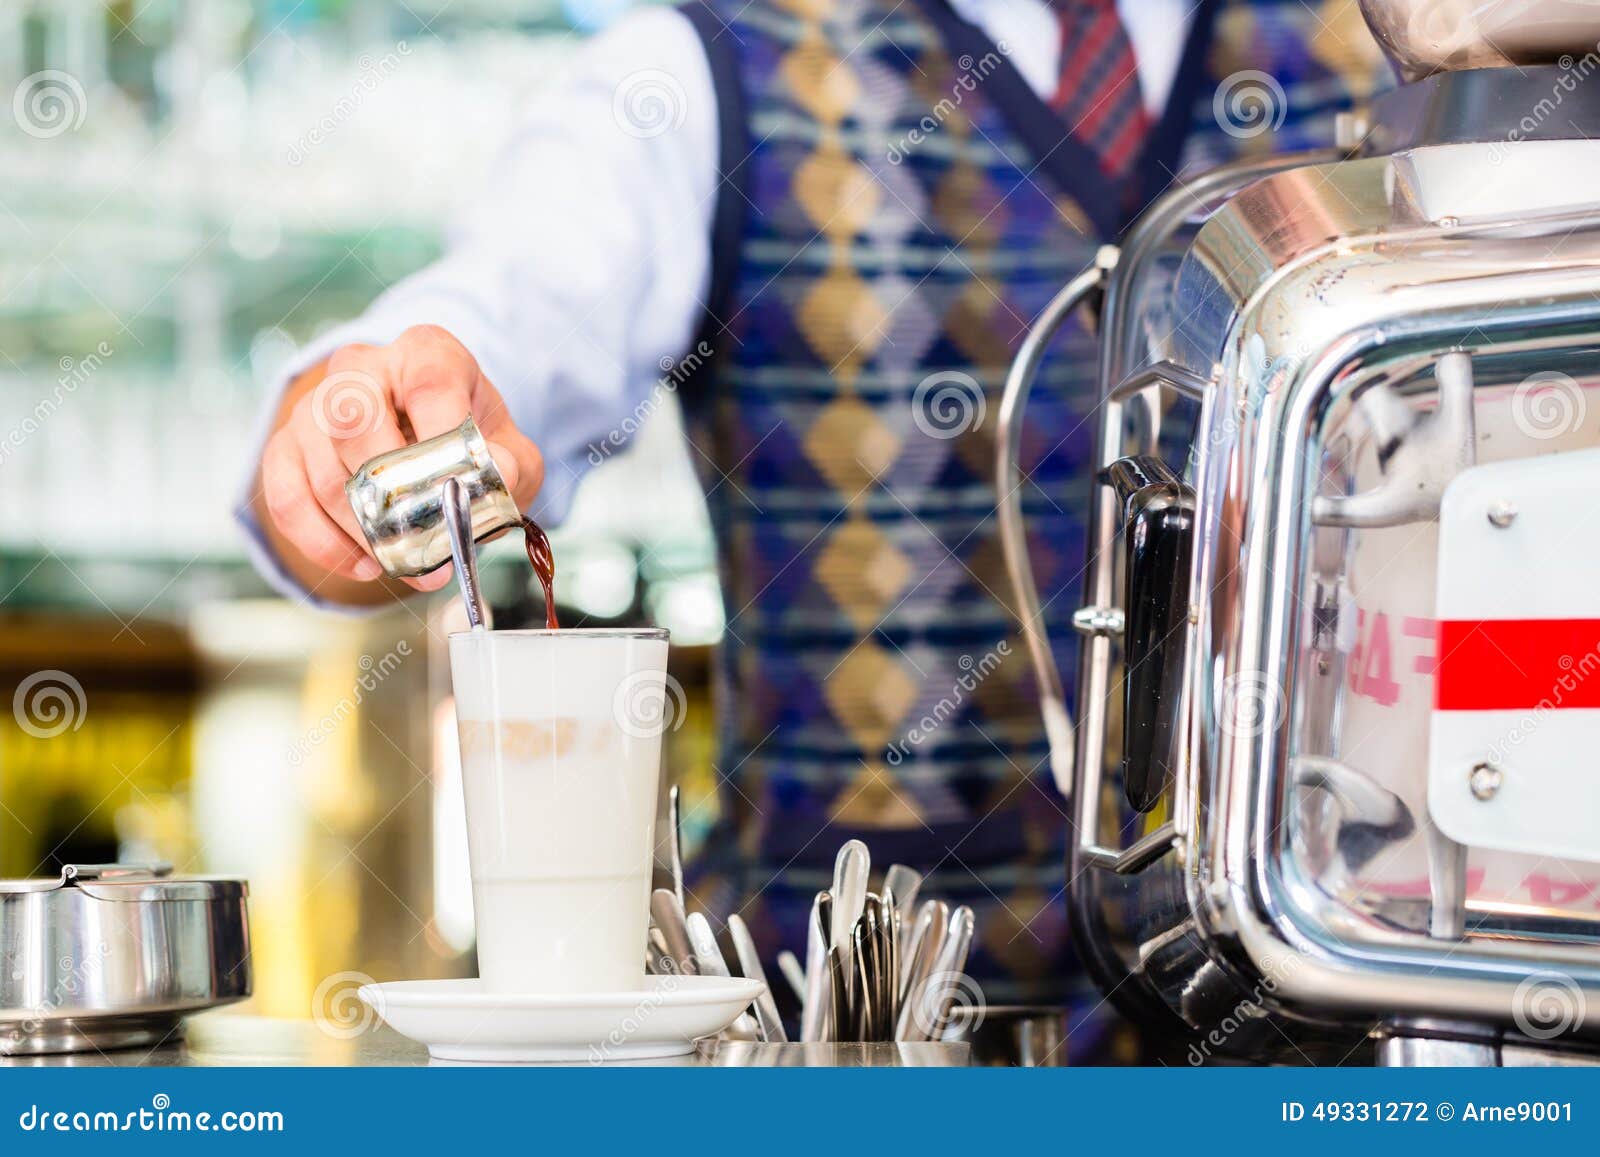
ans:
x=897 y=206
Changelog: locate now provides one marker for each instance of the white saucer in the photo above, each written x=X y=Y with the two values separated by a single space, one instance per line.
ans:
x=459 y=1021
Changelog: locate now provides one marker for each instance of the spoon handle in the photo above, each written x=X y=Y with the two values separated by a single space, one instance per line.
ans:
x=463 y=552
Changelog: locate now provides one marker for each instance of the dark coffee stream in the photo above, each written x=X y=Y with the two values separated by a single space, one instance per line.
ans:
x=544 y=565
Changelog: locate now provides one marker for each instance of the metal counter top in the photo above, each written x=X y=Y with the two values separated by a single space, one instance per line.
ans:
x=223 y=1039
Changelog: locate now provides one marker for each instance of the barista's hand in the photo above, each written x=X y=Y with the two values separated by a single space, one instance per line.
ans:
x=363 y=401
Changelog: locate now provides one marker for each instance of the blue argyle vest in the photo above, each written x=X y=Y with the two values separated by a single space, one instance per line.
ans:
x=897 y=206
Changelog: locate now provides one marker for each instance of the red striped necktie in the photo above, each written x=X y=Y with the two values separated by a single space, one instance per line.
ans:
x=1098 y=95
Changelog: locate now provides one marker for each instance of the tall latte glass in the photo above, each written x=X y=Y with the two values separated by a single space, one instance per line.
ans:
x=560 y=755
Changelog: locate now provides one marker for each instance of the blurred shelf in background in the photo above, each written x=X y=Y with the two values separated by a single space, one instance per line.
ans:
x=193 y=189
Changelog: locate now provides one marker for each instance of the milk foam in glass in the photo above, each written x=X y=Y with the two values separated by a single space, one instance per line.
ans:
x=560 y=758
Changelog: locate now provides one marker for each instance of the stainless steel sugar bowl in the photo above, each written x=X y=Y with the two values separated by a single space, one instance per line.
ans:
x=114 y=956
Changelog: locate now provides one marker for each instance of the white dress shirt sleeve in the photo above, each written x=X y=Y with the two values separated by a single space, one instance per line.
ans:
x=578 y=274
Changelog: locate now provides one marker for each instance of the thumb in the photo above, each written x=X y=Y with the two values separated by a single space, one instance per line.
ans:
x=521 y=467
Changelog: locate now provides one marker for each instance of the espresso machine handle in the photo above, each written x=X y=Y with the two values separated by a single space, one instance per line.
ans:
x=1158 y=530
x=1008 y=485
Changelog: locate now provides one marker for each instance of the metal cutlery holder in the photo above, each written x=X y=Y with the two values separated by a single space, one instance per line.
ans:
x=878 y=967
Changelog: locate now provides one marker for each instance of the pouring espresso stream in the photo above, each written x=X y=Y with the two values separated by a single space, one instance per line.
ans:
x=543 y=561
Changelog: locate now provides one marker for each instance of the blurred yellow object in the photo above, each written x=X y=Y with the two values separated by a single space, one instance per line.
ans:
x=100 y=723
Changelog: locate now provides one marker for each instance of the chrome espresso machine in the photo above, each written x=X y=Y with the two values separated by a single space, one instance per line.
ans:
x=1335 y=775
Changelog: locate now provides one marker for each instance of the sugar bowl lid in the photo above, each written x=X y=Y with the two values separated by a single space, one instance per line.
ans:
x=128 y=882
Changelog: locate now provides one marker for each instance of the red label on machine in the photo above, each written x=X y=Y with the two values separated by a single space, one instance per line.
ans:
x=1517 y=664
x=1518 y=696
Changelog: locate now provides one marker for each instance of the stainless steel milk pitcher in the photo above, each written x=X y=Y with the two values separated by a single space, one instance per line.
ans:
x=399 y=499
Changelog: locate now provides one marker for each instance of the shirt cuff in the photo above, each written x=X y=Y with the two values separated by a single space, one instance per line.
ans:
x=266 y=561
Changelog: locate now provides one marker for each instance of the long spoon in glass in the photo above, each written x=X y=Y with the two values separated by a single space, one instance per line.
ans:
x=463 y=552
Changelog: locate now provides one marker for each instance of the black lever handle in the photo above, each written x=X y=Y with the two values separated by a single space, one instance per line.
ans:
x=1158 y=534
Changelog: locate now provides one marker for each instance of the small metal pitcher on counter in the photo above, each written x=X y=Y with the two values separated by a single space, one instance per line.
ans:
x=399 y=499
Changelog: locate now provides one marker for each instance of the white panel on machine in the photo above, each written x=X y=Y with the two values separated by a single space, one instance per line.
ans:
x=1514 y=749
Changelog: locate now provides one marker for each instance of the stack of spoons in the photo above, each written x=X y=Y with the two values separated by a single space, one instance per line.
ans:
x=879 y=967
x=872 y=972
x=683 y=943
